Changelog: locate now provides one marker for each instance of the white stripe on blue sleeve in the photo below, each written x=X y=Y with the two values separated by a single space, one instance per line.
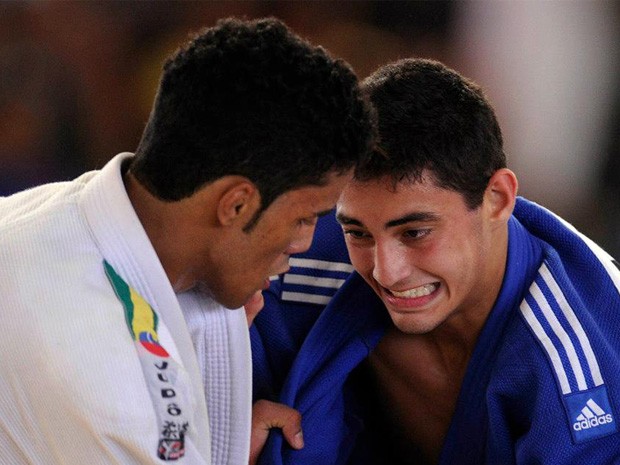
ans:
x=574 y=323
x=546 y=342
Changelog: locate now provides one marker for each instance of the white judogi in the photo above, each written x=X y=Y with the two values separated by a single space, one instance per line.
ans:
x=72 y=389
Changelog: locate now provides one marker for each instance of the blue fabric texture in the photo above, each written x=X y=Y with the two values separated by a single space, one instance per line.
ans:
x=543 y=383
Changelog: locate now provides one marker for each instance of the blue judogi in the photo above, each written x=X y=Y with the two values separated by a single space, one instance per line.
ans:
x=542 y=385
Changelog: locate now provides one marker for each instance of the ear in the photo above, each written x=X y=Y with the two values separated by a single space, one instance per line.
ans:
x=500 y=194
x=238 y=201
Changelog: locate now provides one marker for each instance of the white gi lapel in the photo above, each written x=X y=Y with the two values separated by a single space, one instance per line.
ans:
x=125 y=245
x=166 y=380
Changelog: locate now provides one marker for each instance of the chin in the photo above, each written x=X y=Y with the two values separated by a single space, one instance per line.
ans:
x=233 y=303
x=410 y=324
x=228 y=301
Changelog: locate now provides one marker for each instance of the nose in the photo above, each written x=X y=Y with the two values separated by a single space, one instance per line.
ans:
x=302 y=240
x=391 y=264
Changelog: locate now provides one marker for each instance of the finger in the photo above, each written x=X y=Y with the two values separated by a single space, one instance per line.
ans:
x=258 y=438
x=293 y=434
x=253 y=306
x=264 y=415
x=267 y=415
x=288 y=419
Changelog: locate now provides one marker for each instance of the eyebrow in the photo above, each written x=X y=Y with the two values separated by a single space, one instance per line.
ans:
x=410 y=218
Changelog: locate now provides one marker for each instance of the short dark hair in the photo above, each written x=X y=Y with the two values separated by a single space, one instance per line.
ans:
x=431 y=117
x=251 y=98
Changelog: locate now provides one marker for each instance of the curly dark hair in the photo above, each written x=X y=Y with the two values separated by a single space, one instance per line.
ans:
x=252 y=98
x=431 y=117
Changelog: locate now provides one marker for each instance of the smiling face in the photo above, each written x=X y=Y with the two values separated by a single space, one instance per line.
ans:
x=430 y=259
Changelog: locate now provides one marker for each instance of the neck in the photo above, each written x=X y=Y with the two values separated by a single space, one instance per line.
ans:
x=160 y=222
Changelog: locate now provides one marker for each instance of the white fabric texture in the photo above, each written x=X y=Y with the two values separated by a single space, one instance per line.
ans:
x=72 y=390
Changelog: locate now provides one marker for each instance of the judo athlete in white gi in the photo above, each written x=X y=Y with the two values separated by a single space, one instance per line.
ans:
x=478 y=328
x=124 y=340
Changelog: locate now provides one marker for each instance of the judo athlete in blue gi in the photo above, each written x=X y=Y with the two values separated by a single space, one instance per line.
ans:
x=477 y=328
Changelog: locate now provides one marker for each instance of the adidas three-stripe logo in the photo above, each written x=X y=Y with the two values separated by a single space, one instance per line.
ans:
x=591 y=416
x=559 y=331
x=556 y=325
x=591 y=410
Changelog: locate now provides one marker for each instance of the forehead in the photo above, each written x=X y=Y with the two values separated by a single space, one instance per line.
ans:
x=382 y=200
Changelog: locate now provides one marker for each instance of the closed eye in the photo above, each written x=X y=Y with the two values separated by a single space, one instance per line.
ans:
x=310 y=221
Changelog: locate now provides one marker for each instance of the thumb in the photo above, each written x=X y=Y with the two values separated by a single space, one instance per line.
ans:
x=267 y=415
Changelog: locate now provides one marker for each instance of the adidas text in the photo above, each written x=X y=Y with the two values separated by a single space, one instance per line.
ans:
x=592 y=422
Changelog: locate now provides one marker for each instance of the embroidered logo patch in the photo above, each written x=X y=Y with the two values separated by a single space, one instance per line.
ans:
x=590 y=414
x=149 y=342
x=172 y=445
x=165 y=378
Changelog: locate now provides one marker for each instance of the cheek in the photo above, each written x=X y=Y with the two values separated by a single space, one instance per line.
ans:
x=264 y=243
x=441 y=259
x=361 y=259
x=270 y=254
x=278 y=238
x=261 y=259
x=455 y=262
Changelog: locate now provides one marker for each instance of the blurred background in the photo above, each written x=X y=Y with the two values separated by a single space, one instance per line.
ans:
x=77 y=79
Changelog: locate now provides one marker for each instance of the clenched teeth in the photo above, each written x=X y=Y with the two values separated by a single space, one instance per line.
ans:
x=415 y=292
